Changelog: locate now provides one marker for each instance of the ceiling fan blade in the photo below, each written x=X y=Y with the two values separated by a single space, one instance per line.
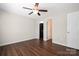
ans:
x=30 y=13
x=27 y=8
x=36 y=4
x=39 y=14
x=43 y=10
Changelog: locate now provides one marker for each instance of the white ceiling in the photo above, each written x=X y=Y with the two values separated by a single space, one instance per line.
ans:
x=53 y=8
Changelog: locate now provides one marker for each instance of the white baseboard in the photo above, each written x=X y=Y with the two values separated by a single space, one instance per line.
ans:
x=65 y=45
x=14 y=42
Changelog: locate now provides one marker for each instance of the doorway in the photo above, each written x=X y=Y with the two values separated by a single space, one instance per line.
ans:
x=41 y=25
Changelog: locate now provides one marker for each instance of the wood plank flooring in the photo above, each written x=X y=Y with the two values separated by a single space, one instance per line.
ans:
x=36 y=47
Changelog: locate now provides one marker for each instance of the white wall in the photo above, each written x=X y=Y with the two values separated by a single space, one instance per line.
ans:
x=37 y=28
x=59 y=33
x=15 y=28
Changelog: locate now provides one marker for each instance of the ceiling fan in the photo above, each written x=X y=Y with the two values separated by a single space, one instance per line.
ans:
x=35 y=9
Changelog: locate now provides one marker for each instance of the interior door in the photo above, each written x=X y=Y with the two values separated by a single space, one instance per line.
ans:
x=72 y=30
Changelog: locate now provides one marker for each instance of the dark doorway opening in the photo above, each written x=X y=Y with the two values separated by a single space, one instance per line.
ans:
x=41 y=31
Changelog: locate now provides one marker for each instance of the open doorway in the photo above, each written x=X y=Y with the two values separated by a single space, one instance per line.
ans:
x=41 y=25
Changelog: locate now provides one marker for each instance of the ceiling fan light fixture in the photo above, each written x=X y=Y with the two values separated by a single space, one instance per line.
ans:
x=35 y=11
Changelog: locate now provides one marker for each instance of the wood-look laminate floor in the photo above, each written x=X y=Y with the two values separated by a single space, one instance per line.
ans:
x=37 y=48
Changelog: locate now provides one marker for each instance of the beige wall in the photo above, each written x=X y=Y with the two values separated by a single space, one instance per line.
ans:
x=15 y=28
